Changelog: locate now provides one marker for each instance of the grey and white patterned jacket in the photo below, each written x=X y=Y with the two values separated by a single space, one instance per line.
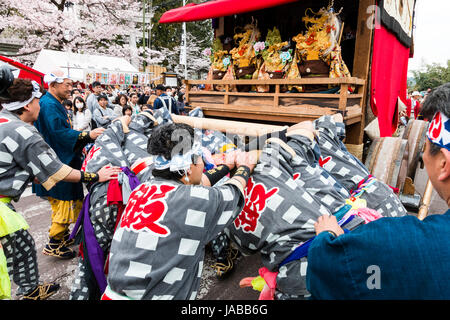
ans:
x=349 y=171
x=25 y=155
x=158 y=249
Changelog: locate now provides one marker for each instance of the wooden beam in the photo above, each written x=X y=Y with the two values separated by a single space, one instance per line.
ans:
x=363 y=44
x=335 y=81
x=230 y=127
x=227 y=94
x=268 y=94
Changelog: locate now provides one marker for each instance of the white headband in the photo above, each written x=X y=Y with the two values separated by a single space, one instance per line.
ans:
x=50 y=78
x=179 y=162
x=20 y=104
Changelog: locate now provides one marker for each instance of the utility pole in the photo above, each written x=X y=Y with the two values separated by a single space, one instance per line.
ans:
x=185 y=46
x=144 y=4
x=150 y=29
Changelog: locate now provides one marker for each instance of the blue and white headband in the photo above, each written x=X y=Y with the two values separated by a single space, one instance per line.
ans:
x=50 y=78
x=179 y=162
x=439 y=130
x=36 y=93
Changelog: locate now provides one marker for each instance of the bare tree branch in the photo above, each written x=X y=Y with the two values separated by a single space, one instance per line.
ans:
x=22 y=54
x=60 y=6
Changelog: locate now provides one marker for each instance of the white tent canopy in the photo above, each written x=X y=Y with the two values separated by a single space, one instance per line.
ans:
x=74 y=64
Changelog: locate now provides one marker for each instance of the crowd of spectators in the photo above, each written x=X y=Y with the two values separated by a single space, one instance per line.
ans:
x=97 y=105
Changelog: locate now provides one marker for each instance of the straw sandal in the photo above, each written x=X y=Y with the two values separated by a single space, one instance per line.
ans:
x=66 y=241
x=224 y=268
x=57 y=248
x=42 y=292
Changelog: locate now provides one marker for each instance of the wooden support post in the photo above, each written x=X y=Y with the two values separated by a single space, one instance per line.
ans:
x=361 y=64
x=343 y=98
x=226 y=96
x=276 y=97
x=188 y=88
x=423 y=211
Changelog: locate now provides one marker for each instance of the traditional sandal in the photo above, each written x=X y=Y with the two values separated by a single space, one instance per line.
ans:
x=68 y=242
x=57 y=248
x=223 y=269
x=233 y=253
x=42 y=292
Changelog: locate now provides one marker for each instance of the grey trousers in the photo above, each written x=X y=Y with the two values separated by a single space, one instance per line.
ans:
x=21 y=260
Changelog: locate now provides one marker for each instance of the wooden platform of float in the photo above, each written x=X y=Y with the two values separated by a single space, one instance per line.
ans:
x=280 y=107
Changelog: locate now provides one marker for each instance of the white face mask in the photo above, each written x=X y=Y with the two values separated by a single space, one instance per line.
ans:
x=79 y=105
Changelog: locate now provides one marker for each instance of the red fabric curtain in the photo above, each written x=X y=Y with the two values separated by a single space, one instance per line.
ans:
x=389 y=78
x=25 y=72
x=217 y=8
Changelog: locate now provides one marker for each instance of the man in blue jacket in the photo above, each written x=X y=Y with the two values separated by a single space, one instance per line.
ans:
x=163 y=100
x=392 y=258
x=56 y=128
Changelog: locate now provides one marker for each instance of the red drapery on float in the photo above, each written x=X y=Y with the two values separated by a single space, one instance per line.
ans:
x=217 y=8
x=389 y=79
x=390 y=57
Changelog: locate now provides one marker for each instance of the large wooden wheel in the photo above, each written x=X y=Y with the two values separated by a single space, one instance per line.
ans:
x=415 y=133
x=387 y=160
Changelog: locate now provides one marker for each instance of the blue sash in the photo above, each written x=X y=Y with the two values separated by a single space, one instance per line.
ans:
x=302 y=251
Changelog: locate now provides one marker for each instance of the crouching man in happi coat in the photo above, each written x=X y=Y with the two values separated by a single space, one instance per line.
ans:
x=123 y=144
x=217 y=144
x=350 y=172
x=285 y=195
x=26 y=157
x=158 y=247
x=281 y=226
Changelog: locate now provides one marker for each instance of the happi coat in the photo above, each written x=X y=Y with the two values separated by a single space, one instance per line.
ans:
x=195 y=215
x=284 y=198
x=288 y=191
x=25 y=155
x=120 y=145
x=158 y=249
x=351 y=172
x=55 y=127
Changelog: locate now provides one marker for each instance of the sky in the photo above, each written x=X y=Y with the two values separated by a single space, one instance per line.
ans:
x=431 y=33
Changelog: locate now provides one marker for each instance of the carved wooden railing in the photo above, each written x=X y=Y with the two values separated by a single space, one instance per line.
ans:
x=276 y=105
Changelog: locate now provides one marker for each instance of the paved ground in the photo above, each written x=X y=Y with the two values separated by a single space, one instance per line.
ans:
x=37 y=212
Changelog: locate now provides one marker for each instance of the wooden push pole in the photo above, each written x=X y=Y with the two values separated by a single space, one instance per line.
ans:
x=423 y=211
x=227 y=126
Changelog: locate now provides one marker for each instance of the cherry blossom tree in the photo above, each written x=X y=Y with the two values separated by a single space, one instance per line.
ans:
x=197 y=62
x=79 y=26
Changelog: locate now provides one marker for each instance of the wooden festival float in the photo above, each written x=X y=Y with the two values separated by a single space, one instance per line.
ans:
x=279 y=62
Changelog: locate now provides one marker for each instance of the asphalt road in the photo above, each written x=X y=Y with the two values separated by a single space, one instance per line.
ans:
x=37 y=212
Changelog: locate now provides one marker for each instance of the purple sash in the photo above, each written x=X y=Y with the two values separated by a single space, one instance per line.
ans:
x=94 y=251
